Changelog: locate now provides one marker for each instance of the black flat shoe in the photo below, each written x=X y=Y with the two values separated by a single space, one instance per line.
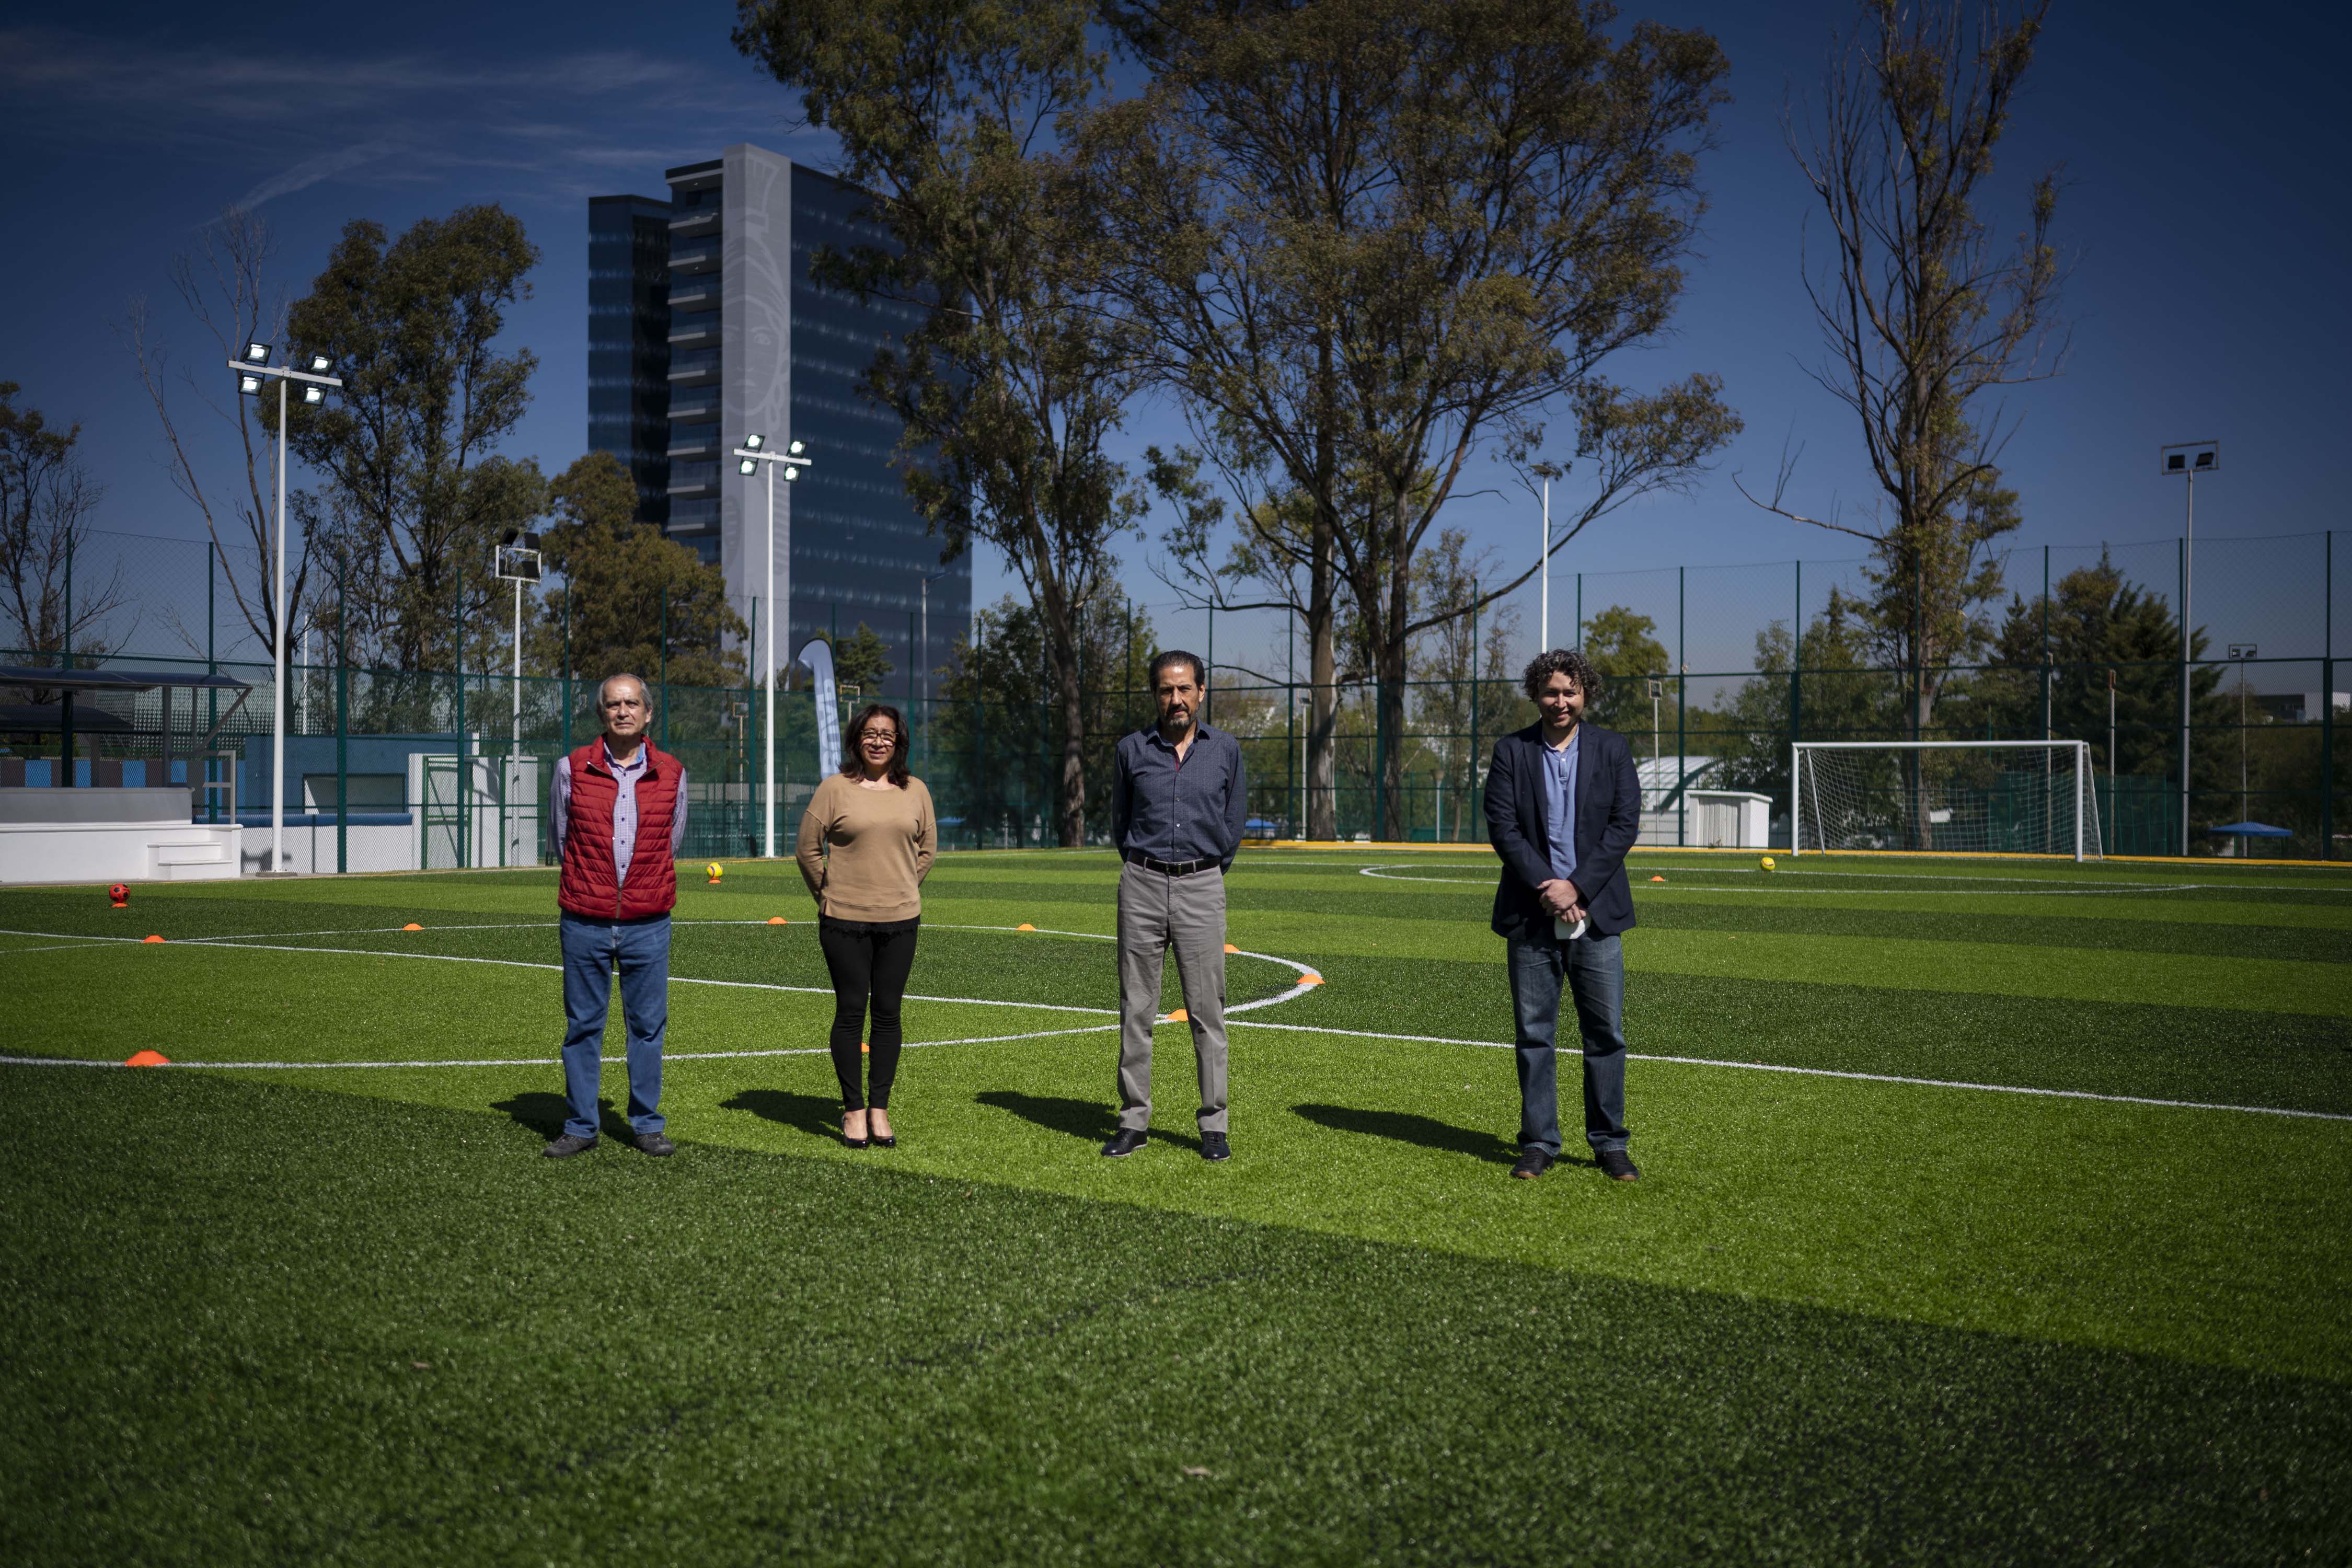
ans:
x=847 y=1141
x=890 y=1141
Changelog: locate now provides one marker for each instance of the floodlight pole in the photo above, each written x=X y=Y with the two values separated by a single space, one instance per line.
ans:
x=1543 y=619
x=754 y=453
x=518 y=668
x=281 y=375
x=278 y=666
x=2188 y=646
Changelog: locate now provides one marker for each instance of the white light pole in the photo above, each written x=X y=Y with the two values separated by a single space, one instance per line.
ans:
x=2189 y=459
x=754 y=455
x=1543 y=617
x=253 y=368
x=517 y=558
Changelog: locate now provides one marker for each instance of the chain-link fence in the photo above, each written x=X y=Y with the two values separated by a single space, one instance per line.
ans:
x=387 y=767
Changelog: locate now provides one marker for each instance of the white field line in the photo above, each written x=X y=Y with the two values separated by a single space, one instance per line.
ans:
x=1833 y=1072
x=1295 y=991
x=546 y=1061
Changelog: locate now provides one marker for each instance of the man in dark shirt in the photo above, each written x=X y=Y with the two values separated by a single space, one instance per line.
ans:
x=1176 y=811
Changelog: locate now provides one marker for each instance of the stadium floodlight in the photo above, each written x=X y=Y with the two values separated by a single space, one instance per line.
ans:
x=754 y=456
x=515 y=558
x=253 y=367
x=2189 y=459
x=1958 y=797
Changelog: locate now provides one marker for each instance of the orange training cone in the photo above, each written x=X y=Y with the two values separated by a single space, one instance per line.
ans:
x=1024 y=925
x=1310 y=978
x=1657 y=879
x=778 y=920
x=150 y=938
x=865 y=1045
x=147 y=1059
x=1178 y=1016
x=412 y=926
x=1230 y=947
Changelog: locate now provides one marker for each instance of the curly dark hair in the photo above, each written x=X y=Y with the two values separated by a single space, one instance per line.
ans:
x=853 y=756
x=1565 y=661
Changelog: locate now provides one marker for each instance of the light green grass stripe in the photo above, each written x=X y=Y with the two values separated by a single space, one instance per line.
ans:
x=2124 y=1227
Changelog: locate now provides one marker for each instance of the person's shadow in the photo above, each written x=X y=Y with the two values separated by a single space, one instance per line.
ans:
x=1406 y=1127
x=818 y=1114
x=1088 y=1118
x=544 y=1114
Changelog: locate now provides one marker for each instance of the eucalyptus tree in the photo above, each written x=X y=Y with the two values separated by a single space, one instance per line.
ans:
x=1375 y=239
x=954 y=116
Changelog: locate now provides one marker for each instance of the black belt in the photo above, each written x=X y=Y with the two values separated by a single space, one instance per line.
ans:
x=1165 y=868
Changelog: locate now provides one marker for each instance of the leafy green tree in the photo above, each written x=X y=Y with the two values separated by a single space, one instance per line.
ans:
x=1376 y=239
x=1022 y=364
x=622 y=585
x=418 y=494
x=1000 y=726
x=1838 y=698
x=2099 y=620
x=862 y=659
x=1623 y=647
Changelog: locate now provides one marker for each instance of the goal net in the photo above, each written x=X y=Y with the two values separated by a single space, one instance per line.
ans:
x=1954 y=797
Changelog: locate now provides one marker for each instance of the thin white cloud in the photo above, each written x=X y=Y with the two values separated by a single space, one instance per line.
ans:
x=324 y=166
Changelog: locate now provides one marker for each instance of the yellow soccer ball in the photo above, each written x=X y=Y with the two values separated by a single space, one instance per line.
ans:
x=1765 y=862
x=715 y=870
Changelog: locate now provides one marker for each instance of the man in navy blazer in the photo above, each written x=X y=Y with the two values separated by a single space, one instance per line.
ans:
x=1563 y=805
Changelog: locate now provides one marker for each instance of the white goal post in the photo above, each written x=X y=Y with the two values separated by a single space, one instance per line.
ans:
x=1953 y=797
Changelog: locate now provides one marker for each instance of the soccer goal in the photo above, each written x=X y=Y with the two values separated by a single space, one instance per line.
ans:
x=1954 y=797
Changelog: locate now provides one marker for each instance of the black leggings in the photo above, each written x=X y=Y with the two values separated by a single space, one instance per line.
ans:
x=864 y=961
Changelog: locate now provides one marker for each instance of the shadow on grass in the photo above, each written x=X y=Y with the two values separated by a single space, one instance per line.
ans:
x=1405 y=1127
x=1090 y=1119
x=819 y=1114
x=544 y=1114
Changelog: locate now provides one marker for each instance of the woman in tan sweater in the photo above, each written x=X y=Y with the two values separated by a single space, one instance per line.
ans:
x=866 y=845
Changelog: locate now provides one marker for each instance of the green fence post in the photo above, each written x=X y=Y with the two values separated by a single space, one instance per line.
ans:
x=1682 y=707
x=567 y=669
x=1470 y=774
x=2327 y=702
x=65 y=662
x=343 y=717
x=463 y=860
x=665 y=667
x=1796 y=697
x=212 y=697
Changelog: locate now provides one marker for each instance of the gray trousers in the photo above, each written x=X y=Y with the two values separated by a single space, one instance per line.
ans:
x=1156 y=913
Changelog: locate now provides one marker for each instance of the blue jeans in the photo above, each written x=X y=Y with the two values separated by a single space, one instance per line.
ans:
x=1592 y=969
x=592 y=951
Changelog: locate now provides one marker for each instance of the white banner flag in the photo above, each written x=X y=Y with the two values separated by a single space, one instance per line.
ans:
x=817 y=654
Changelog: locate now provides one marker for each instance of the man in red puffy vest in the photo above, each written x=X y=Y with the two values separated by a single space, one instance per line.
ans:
x=620 y=820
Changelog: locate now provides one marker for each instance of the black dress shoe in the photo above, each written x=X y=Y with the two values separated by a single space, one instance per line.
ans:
x=654 y=1143
x=1123 y=1142
x=570 y=1143
x=1616 y=1166
x=1532 y=1164
x=1214 y=1147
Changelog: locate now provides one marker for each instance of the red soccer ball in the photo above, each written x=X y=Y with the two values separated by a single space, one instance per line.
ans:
x=121 y=895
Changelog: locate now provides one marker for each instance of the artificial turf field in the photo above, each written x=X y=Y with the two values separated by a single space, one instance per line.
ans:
x=1866 y=1305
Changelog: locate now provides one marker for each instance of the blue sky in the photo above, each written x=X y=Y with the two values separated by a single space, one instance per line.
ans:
x=2203 y=215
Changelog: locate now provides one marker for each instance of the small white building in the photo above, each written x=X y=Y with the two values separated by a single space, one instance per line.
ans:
x=1678 y=810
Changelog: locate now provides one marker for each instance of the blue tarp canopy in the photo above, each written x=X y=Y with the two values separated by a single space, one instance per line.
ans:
x=2255 y=830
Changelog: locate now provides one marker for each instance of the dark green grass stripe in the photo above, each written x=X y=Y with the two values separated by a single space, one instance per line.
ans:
x=256 y=1324
x=2208 y=1056
x=1990 y=924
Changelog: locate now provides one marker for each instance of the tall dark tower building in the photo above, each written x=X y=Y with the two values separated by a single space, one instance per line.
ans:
x=745 y=344
x=628 y=343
